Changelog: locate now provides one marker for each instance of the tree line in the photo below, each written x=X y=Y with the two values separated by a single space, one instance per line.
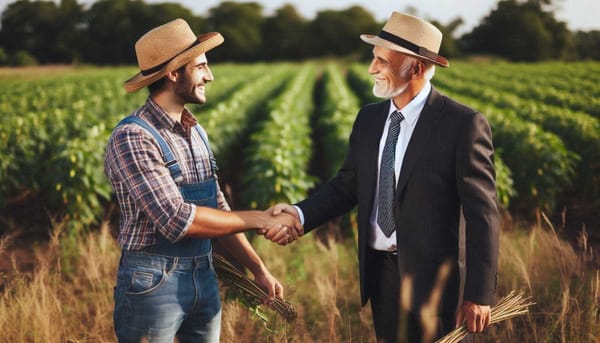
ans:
x=105 y=32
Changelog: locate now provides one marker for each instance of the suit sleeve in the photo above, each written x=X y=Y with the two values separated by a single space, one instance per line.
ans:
x=477 y=191
x=338 y=195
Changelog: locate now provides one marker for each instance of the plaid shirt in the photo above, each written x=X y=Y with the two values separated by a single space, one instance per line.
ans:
x=148 y=196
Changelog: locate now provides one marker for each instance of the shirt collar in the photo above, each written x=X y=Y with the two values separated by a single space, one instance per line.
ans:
x=160 y=118
x=413 y=109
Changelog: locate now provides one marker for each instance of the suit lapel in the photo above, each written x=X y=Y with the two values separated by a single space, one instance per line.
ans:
x=419 y=138
x=372 y=137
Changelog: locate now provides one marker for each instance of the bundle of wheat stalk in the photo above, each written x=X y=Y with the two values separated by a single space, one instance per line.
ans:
x=249 y=291
x=512 y=305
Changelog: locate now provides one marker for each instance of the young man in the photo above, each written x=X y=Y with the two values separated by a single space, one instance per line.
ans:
x=160 y=165
x=416 y=164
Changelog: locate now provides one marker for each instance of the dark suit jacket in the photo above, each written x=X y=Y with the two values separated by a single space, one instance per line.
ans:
x=447 y=167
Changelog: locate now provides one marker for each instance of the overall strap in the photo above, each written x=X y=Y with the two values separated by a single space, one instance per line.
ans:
x=213 y=160
x=167 y=153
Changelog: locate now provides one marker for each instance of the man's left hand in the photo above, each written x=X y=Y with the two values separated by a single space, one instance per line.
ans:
x=269 y=284
x=476 y=317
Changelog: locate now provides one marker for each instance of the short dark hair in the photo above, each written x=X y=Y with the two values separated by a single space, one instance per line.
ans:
x=157 y=85
x=160 y=83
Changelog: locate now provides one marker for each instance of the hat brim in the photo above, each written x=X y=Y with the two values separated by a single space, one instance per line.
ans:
x=207 y=41
x=378 y=41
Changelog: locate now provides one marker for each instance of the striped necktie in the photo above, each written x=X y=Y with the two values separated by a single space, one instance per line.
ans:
x=387 y=177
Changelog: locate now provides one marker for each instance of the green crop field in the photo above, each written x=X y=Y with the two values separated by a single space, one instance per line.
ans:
x=278 y=130
x=53 y=129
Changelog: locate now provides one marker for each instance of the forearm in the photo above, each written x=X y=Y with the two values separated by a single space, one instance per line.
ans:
x=239 y=247
x=211 y=223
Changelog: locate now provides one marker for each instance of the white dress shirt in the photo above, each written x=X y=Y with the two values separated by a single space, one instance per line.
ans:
x=411 y=113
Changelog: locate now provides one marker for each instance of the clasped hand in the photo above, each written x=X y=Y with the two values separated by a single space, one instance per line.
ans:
x=283 y=226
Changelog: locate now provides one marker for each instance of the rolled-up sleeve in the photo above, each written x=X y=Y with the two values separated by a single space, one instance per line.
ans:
x=222 y=203
x=139 y=166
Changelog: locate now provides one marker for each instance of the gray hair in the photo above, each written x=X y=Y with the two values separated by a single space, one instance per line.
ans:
x=410 y=61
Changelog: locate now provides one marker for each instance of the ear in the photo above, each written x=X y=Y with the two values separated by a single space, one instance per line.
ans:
x=418 y=69
x=173 y=75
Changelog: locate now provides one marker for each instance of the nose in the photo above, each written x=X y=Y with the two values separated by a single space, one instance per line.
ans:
x=373 y=67
x=209 y=75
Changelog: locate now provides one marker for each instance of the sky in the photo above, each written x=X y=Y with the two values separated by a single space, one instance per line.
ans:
x=579 y=14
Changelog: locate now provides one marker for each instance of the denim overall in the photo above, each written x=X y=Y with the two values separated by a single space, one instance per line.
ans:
x=170 y=289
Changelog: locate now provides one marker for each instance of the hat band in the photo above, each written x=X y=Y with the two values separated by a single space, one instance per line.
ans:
x=153 y=70
x=419 y=50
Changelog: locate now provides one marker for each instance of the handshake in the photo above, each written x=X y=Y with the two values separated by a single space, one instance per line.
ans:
x=283 y=224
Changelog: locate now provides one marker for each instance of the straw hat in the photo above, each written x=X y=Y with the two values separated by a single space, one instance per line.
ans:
x=410 y=35
x=166 y=48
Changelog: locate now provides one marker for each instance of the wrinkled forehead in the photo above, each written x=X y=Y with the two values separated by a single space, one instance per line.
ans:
x=388 y=55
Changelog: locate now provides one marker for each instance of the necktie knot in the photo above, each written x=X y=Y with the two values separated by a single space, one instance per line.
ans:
x=396 y=118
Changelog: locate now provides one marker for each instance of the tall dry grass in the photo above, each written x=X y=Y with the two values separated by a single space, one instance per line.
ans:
x=563 y=283
x=321 y=280
x=68 y=297
x=53 y=305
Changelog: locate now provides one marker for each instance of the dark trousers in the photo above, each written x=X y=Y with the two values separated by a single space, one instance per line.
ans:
x=391 y=325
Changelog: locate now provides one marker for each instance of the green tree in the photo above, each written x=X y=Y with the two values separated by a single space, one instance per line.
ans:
x=587 y=44
x=520 y=31
x=449 y=47
x=70 y=36
x=21 y=58
x=113 y=28
x=3 y=57
x=240 y=24
x=164 y=12
x=336 y=33
x=284 y=35
x=48 y=32
x=31 y=27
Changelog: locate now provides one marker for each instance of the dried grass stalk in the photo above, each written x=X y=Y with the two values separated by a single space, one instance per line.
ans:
x=512 y=305
x=249 y=291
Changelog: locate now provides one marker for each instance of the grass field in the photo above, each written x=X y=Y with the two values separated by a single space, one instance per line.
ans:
x=68 y=296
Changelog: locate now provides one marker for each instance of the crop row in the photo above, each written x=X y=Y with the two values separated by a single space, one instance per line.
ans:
x=579 y=132
x=338 y=109
x=279 y=153
x=229 y=119
x=564 y=76
x=577 y=96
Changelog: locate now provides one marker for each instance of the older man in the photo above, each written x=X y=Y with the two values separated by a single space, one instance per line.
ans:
x=420 y=168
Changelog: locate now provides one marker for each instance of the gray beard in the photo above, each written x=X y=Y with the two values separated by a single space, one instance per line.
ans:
x=391 y=94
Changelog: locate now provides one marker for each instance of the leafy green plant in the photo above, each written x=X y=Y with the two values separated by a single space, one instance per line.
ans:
x=279 y=152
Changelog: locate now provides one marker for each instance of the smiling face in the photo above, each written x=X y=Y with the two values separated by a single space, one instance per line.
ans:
x=191 y=83
x=392 y=72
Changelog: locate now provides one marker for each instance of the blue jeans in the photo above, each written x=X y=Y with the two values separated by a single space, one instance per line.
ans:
x=158 y=298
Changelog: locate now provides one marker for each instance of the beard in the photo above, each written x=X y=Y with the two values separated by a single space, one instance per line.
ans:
x=188 y=91
x=383 y=90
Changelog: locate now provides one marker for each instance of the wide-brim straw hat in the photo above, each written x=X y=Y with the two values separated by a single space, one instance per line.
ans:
x=167 y=48
x=410 y=35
